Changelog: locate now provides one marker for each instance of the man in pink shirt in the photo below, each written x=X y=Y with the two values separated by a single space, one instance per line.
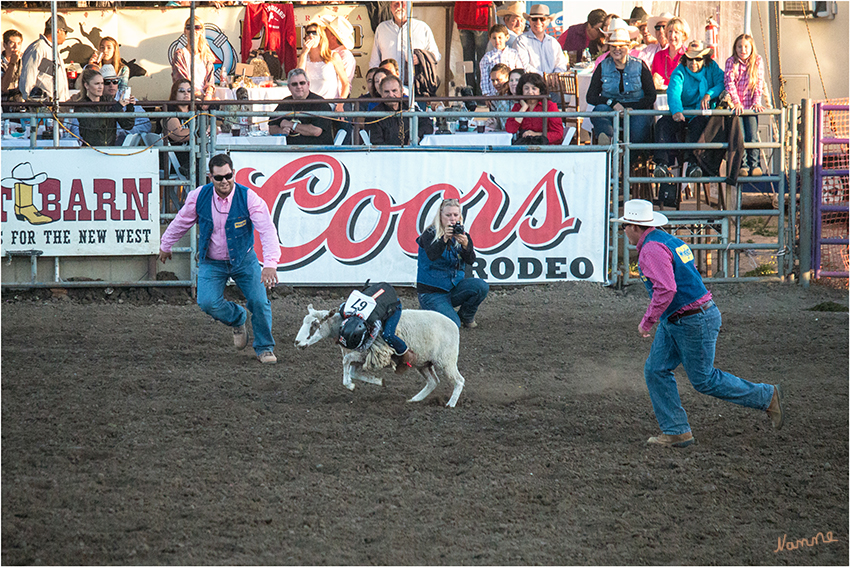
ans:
x=688 y=325
x=227 y=214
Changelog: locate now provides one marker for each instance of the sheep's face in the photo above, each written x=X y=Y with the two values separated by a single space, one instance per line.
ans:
x=315 y=327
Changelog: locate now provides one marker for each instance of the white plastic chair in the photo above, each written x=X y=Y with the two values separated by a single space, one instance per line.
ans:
x=340 y=137
x=364 y=135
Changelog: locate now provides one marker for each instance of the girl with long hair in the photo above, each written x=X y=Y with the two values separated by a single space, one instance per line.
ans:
x=203 y=82
x=744 y=79
x=99 y=131
x=108 y=53
x=323 y=66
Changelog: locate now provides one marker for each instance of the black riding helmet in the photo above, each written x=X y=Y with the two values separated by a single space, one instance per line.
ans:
x=353 y=333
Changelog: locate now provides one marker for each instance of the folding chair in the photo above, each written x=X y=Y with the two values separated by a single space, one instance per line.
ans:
x=566 y=86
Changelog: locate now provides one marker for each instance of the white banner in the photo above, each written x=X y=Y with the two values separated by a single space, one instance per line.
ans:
x=79 y=202
x=346 y=217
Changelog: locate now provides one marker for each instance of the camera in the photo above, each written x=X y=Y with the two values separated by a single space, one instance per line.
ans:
x=457 y=228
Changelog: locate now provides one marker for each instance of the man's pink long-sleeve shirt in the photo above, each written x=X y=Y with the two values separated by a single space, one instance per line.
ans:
x=217 y=249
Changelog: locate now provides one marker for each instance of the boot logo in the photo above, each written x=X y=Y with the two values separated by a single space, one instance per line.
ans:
x=25 y=181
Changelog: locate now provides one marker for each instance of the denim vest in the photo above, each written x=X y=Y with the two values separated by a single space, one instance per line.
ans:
x=443 y=273
x=689 y=286
x=238 y=228
x=632 y=86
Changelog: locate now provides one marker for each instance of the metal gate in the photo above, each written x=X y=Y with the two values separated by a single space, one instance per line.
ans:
x=831 y=190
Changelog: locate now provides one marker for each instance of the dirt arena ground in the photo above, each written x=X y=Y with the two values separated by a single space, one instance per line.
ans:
x=133 y=433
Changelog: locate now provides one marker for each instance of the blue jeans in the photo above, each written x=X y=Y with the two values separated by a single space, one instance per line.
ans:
x=690 y=341
x=468 y=295
x=388 y=333
x=212 y=277
x=750 y=128
x=639 y=126
x=668 y=131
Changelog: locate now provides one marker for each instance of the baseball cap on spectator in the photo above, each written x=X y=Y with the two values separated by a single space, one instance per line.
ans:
x=61 y=25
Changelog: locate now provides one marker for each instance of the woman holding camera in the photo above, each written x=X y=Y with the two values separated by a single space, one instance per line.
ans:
x=444 y=251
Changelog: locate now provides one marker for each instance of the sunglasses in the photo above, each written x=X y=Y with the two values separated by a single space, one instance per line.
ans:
x=227 y=176
x=197 y=27
x=110 y=81
x=686 y=58
x=298 y=84
x=311 y=32
x=660 y=27
x=538 y=18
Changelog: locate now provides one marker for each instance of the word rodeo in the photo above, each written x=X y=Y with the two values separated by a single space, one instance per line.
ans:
x=784 y=545
x=541 y=222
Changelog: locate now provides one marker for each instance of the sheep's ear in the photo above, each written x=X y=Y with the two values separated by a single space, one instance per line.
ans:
x=310 y=309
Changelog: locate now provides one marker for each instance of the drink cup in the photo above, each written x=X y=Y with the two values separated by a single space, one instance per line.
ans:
x=480 y=128
x=236 y=130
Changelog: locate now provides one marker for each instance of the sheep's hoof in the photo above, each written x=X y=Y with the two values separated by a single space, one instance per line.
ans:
x=349 y=385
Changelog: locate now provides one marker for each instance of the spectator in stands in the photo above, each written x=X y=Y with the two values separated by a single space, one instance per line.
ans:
x=323 y=67
x=391 y=38
x=111 y=92
x=696 y=83
x=500 y=54
x=511 y=13
x=340 y=34
x=98 y=130
x=540 y=53
x=513 y=80
x=181 y=67
x=109 y=54
x=744 y=80
x=529 y=131
x=621 y=81
x=390 y=65
x=473 y=22
x=579 y=37
x=377 y=77
x=656 y=25
x=667 y=60
x=499 y=78
x=394 y=130
x=613 y=25
x=33 y=74
x=304 y=130
x=12 y=50
x=175 y=131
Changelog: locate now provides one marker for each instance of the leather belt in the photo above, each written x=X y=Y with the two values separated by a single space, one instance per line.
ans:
x=701 y=309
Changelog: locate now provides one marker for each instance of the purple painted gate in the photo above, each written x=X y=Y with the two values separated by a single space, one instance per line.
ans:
x=832 y=190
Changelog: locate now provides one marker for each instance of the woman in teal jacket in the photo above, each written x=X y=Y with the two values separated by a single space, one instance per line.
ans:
x=696 y=83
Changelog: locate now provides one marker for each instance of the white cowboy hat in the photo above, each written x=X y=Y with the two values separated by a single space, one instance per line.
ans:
x=618 y=24
x=343 y=30
x=619 y=36
x=662 y=17
x=108 y=72
x=511 y=9
x=22 y=173
x=697 y=50
x=538 y=10
x=639 y=212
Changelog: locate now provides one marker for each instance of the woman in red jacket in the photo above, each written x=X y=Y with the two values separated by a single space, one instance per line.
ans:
x=529 y=130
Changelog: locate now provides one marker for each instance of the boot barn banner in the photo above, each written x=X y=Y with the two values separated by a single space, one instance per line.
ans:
x=51 y=204
x=346 y=217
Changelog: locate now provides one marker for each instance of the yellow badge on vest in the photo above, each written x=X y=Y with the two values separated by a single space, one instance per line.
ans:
x=240 y=224
x=685 y=254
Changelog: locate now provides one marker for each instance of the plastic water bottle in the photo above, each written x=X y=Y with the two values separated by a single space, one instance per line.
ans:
x=585 y=57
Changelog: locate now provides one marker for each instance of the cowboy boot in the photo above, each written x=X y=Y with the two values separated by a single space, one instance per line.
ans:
x=24 y=209
x=404 y=361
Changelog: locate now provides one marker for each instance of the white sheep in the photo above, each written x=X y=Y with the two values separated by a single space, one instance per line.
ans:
x=432 y=336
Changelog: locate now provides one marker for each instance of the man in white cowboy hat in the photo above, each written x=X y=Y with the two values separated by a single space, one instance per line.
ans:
x=688 y=324
x=142 y=124
x=656 y=24
x=511 y=14
x=578 y=37
x=391 y=39
x=621 y=81
x=539 y=52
